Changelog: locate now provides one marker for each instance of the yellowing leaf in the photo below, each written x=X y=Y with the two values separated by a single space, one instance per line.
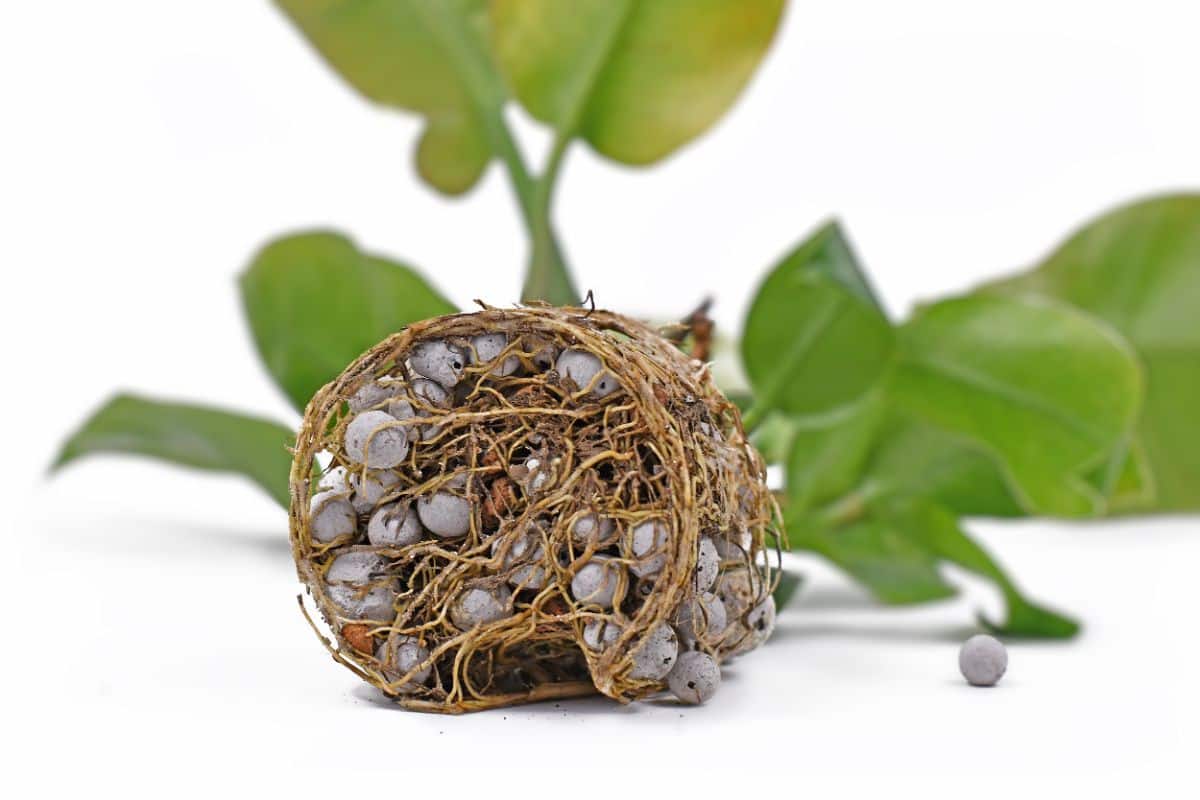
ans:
x=635 y=78
x=426 y=56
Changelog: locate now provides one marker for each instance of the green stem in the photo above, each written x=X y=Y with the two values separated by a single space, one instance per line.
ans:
x=548 y=277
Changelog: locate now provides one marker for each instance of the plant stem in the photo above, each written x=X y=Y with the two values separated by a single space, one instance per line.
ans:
x=548 y=276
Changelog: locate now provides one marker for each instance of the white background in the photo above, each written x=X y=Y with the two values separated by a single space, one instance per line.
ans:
x=152 y=643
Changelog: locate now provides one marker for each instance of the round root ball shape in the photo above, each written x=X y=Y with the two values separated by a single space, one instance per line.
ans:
x=695 y=678
x=375 y=438
x=494 y=467
x=982 y=660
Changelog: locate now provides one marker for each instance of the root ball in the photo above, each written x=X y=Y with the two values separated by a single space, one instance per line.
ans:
x=514 y=505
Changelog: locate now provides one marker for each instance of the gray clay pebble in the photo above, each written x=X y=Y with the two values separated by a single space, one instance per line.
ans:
x=375 y=393
x=439 y=362
x=488 y=347
x=695 y=678
x=596 y=581
x=762 y=620
x=398 y=656
x=708 y=563
x=370 y=488
x=585 y=371
x=701 y=618
x=331 y=516
x=592 y=528
x=394 y=525
x=648 y=543
x=357 y=584
x=656 y=654
x=600 y=633
x=445 y=515
x=479 y=605
x=982 y=660
x=374 y=438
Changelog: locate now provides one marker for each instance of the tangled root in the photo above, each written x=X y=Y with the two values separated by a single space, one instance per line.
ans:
x=564 y=528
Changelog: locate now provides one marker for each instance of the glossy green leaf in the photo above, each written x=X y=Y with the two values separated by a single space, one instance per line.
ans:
x=827 y=457
x=914 y=459
x=189 y=435
x=315 y=303
x=635 y=78
x=1046 y=389
x=878 y=554
x=937 y=530
x=814 y=339
x=1138 y=268
x=426 y=56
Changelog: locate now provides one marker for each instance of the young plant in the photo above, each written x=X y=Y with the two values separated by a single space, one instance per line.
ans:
x=1069 y=390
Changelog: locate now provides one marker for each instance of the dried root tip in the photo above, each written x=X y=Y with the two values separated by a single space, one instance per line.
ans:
x=528 y=504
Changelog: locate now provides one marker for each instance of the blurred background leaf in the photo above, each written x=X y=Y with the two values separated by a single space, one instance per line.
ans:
x=420 y=56
x=315 y=303
x=1138 y=268
x=815 y=340
x=188 y=435
x=1011 y=373
x=896 y=547
x=637 y=79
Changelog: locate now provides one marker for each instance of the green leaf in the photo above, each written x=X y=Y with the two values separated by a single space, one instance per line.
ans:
x=635 y=78
x=814 y=339
x=1049 y=391
x=827 y=457
x=789 y=585
x=897 y=549
x=421 y=56
x=912 y=458
x=877 y=552
x=937 y=530
x=193 y=436
x=315 y=303
x=1138 y=268
x=1128 y=482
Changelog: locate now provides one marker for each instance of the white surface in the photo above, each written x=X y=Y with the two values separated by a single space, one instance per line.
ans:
x=152 y=641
